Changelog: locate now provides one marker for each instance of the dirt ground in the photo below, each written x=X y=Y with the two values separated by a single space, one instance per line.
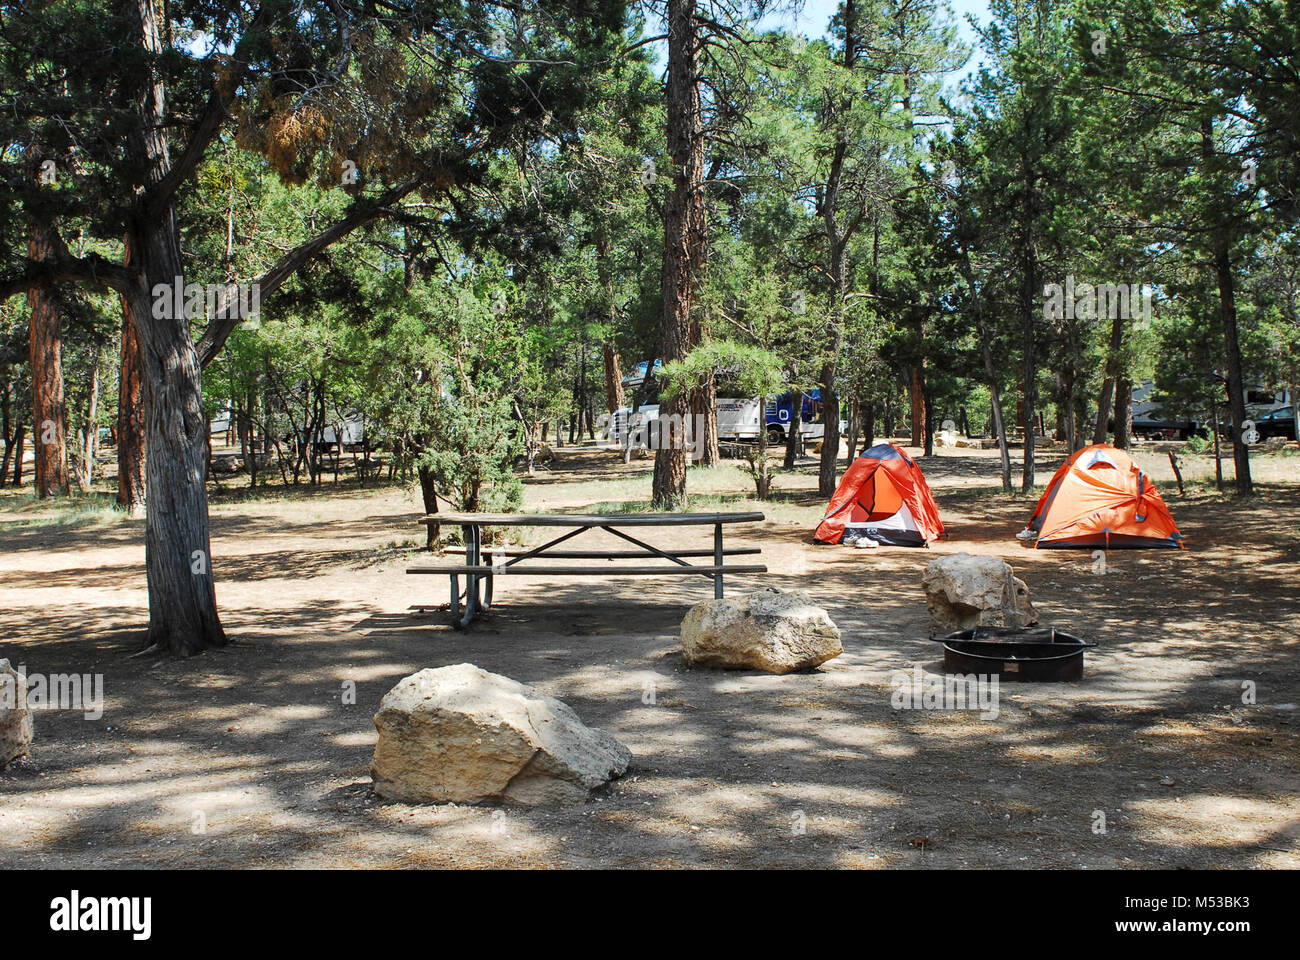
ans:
x=247 y=756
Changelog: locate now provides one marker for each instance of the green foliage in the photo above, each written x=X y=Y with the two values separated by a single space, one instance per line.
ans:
x=751 y=370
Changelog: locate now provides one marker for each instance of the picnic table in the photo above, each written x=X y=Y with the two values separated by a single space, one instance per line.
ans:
x=521 y=561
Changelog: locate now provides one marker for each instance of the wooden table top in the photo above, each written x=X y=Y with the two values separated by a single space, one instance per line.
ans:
x=592 y=519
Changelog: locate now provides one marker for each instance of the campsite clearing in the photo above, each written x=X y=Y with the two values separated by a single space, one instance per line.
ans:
x=254 y=743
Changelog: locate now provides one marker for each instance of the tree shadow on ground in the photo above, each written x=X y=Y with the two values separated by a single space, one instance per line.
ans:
x=252 y=755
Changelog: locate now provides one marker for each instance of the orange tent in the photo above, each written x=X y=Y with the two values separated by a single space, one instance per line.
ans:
x=1100 y=498
x=883 y=497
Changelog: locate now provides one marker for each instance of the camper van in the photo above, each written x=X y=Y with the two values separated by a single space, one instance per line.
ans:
x=1150 y=421
x=737 y=419
x=353 y=430
x=780 y=417
x=1260 y=401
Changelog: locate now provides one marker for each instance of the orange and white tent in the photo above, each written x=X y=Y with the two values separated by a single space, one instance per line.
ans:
x=1100 y=498
x=883 y=496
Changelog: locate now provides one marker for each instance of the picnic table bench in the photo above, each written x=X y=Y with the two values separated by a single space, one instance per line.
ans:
x=519 y=561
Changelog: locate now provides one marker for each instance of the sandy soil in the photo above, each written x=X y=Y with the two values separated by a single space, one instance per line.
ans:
x=247 y=756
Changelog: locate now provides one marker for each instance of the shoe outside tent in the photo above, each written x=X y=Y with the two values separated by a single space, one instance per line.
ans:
x=883 y=497
x=1100 y=498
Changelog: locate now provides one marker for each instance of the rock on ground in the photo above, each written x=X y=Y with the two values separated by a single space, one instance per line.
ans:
x=965 y=591
x=768 y=630
x=15 y=716
x=459 y=734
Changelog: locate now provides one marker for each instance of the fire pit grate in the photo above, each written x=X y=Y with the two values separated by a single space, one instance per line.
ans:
x=1036 y=656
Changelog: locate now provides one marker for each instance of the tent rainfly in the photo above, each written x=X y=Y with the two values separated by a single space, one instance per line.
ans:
x=883 y=497
x=1100 y=498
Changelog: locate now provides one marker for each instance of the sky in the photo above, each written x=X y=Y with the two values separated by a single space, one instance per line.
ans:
x=816 y=15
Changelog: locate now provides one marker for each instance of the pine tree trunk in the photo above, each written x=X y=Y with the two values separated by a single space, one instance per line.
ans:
x=613 y=379
x=836 y=244
x=19 y=436
x=928 y=407
x=130 y=420
x=1028 y=304
x=49 y=413
x=1114 y=361
x=183 y=615
x=1123 y=412
x=684 y=234
x=429 y=495
x=90 y=432
x=917 y=394
x=855 y=427
x=794 y=435
x=705 y=409
x=1231 y=341
x=1236 y=384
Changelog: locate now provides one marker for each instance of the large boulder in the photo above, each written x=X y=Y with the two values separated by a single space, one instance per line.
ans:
x=964 y=591
x=15 y=716
x=462 y=735
x=769 y=630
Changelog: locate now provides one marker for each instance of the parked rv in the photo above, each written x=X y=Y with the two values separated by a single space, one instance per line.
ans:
x=1260 y=401
x=1277 y=423
x=222 y=421
x=1150 y=420
x=780 y=417
x=737 y=419
x=353 y=430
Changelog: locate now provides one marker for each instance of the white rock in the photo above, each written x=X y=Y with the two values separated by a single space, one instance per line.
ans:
x=15 y=716
x=965 y=591
x=771 y=631
x=459 y=734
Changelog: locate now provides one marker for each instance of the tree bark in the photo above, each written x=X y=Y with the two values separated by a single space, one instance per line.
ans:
x=1231 y=342
x=684 y=234
x=1114 y=361
x=429 y=494
x=855 y=421
x=19 y=436
x=1028 y=304
x=130 y=420
x=704 y=410
x=837 y=239
x=183 y=615
x=928 y=409
x=794 y=434
x=1232 y=345
x=49 y=411
x=917 y=396
x=613 y=378
x=85 y=473
x=1123 y=412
